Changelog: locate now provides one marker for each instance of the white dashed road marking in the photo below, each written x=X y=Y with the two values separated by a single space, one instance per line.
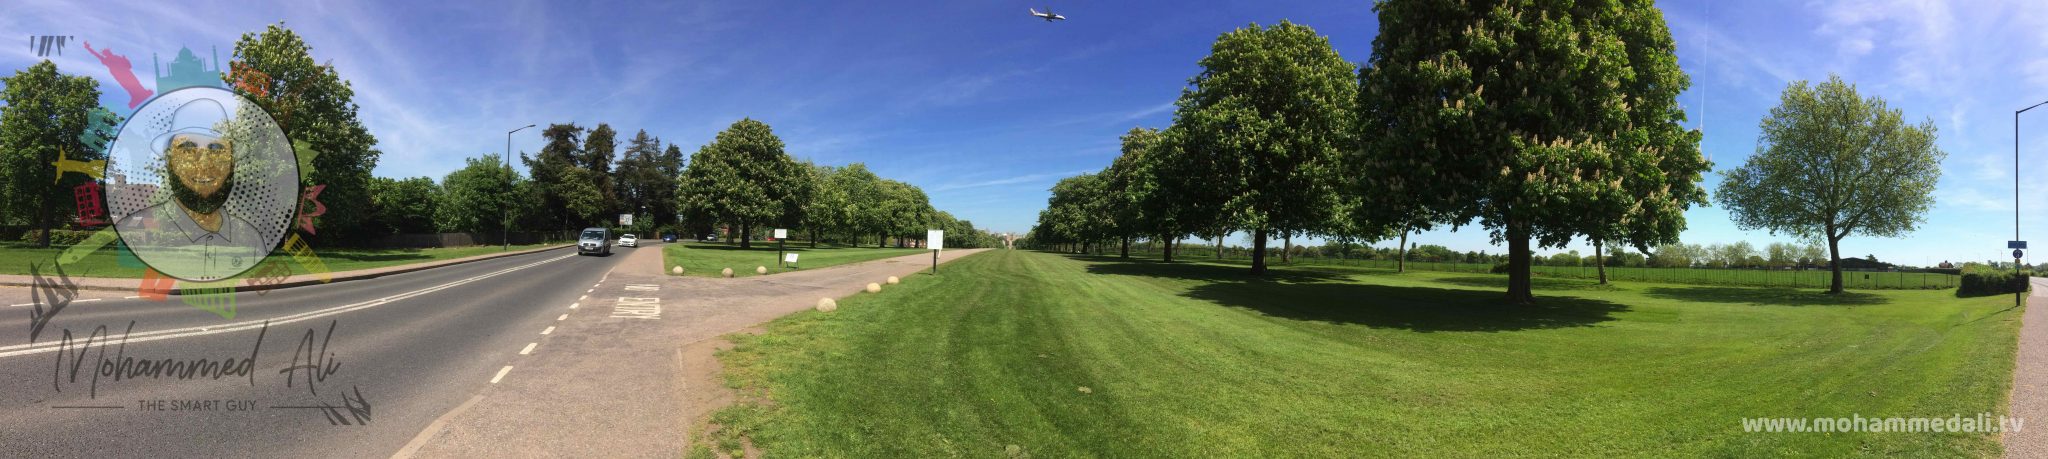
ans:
x=139 y=337
x=501 y=374
x=529 y=348
x=637 y=308
x=574 y=305
x=563 y=317
x=547 y=331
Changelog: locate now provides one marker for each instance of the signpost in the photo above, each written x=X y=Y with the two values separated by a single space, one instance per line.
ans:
x=789 y=259
x=780 y=234
x=625 y=219
x=936 y=240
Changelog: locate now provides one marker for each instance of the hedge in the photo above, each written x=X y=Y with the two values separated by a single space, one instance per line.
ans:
x=1980 y=280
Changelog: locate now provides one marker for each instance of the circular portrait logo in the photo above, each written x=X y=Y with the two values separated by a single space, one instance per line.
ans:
x=202 y=184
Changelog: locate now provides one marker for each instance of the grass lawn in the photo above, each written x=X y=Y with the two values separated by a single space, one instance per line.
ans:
x=1069 y=356
x=15 y=259
x=704 y=259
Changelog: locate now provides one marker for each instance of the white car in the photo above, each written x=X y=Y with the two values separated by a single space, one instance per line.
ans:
x=629 y=241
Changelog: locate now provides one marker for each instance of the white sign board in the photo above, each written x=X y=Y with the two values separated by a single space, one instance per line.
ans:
x=789 y=258
x=625 y=219
x=781 y=233
x=935 y=239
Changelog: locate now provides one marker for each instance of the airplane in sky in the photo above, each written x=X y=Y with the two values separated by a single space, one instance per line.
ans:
x=1049 y=17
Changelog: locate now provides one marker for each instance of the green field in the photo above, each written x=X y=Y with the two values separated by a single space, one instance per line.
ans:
x=1012 y=353
x=704 y=259
x=16 y=257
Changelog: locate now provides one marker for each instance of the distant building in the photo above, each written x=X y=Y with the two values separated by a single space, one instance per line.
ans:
x=1946 y=265
x=186 y=71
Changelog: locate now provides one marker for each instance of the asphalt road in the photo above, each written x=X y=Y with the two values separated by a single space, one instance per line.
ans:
x=402 y=350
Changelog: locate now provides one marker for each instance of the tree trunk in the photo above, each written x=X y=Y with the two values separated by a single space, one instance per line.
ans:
x=882 y=241
x=43 y=219
x=1519 y=291
x=746 y=242
x=1219 y=246
x=1401 y=265
x=1599 y=265
x=1169 y=249
x=1835 y=264
x=1259 y=252
x=814 y=239
x=1127 y=248
x=1286 y=245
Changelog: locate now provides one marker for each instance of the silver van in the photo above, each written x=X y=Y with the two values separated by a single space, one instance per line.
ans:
x=594 y=240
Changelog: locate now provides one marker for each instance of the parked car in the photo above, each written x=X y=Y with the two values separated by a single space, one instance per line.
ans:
x=670 y=237
x=594 y=240
x=629 y=241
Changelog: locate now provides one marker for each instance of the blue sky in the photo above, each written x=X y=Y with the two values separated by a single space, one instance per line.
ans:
x=985 y=107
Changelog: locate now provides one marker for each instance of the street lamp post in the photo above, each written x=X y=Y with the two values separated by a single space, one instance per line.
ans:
x=504 y=214
x=2016 y=192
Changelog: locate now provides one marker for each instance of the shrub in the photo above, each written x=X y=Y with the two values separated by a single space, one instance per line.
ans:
x=57 y=237
x=1502 y=268
x=1981 y=280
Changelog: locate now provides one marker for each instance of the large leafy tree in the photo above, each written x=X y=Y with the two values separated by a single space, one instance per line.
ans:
x=553 y=172
x=1831 y=163
x=404 y=205
x=45 y=116
x=600 y=149
x=744 y=178
x=317 y=110
x=906 y=212
x=481 y=195
x=829 y=209
x=1272 y=109
x=863 y=211
x=1544 y=121
x=639 y=179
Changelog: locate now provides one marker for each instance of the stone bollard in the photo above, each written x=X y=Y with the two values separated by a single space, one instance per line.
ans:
x=827 y=305
x=678 y=270
x=893 y=280
x=727 y=272
x=874 y=287
x=760 y=270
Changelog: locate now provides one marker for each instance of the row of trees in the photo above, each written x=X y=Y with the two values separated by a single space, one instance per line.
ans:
x=743 y=181
x=1540 y=122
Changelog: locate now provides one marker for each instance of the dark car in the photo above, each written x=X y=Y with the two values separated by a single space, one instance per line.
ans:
x=670 y=237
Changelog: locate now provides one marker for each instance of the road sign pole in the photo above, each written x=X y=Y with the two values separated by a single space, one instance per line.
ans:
x=935 y=262
x=778 y=254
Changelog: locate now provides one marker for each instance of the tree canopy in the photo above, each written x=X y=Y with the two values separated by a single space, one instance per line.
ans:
x=314 y=106
x=1831 y=163
x=1265 y=123
x=46 y=115
x=1542 y=121
x=744 y=178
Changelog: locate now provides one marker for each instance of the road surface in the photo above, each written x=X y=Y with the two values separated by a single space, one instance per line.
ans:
x=547 y=353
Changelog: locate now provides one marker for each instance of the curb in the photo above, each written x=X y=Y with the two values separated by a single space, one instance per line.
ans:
x=296 y=281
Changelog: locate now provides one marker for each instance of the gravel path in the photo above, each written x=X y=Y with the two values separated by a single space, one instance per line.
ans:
x=2030 y=379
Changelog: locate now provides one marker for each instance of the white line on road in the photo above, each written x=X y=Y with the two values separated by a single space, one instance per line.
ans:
x=49 y=346
x=574 y=305
x=131 y=297
x=547 y=331
x=20 y=305
x=580 y=298
x=529 y=348
x=88 y=299
x=563 y=317
x=588 y=291
x=501 y=374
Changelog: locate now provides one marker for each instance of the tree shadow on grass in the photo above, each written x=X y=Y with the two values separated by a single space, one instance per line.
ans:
x=1779 y=296
x=1326 y=297
x=1199 y=271
x=1537 y=282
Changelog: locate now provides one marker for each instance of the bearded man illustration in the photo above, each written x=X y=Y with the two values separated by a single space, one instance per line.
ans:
x=199 y=165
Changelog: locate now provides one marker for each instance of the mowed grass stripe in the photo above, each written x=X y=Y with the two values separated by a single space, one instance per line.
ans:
x=1196 y=359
